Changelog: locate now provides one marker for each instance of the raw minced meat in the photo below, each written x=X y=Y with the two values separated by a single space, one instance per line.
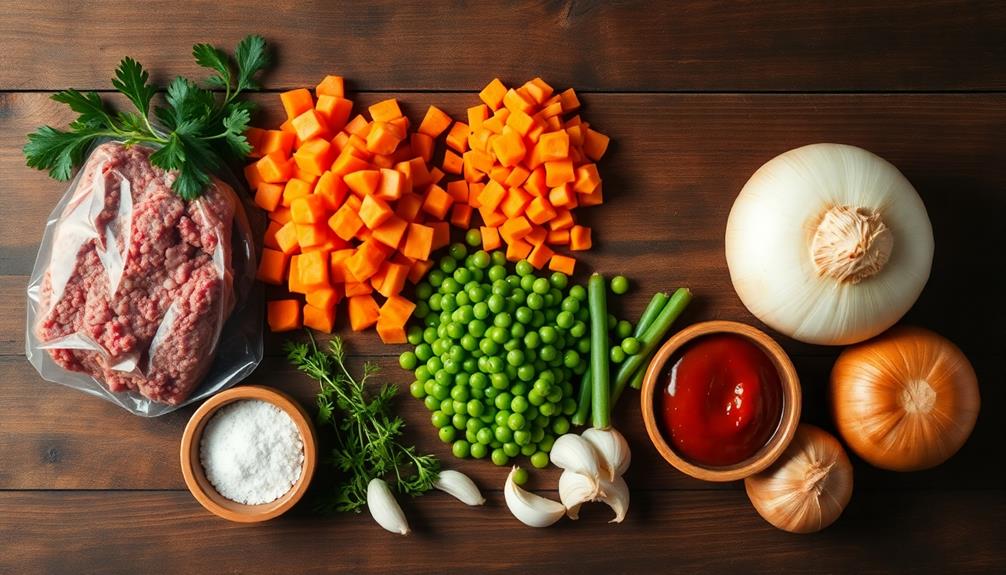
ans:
x=140 y=281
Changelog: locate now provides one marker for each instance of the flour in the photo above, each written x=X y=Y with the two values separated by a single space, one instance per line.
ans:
x=251 y=452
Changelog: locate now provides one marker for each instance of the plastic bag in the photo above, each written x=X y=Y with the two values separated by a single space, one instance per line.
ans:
x=140 y=297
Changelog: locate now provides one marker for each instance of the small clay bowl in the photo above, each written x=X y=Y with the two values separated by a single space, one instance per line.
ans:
x=790 y=409
x=195 y=477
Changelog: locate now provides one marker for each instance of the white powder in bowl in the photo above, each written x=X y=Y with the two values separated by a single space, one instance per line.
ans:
x=251 y=452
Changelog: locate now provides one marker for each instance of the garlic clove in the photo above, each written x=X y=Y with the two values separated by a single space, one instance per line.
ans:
x=612 y=448
x=576 y=454
x=616 y=495
x=530 y=509
x=384 y=508
x=575 y=490
x=459 y=486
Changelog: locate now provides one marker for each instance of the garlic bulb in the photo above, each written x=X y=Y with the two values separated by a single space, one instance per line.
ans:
x=906 y=400
x=575 y=453
x=384 y=508
x=808 y=487
x=612 y=449
x=829 y=244
x=531 y=509
x=575 y=490
x=616 y=495
x=460 y=486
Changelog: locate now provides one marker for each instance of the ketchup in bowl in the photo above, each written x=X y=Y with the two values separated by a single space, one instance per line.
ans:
x=722 y=400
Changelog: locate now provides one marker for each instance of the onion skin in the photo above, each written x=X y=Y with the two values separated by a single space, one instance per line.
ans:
x=906 y=400
x=808 y=487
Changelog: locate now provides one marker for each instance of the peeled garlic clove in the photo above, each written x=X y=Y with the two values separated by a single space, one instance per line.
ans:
x=616 y=495
x=460 y=486
x=576 y=454
x=532 y=510
x=384 y=508
x=612 y=448
x=575 y=490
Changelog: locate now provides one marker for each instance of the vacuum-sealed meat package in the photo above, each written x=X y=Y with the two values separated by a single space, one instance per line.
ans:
x=140 y=296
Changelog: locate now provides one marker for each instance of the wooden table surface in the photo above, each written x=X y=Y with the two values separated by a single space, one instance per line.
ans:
x=695 y=95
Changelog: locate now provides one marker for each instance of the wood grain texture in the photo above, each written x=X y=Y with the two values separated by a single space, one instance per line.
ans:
x=692 y=45
x=687 y=532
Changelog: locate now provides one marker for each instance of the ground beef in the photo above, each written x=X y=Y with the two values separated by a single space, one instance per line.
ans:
x=139 y=283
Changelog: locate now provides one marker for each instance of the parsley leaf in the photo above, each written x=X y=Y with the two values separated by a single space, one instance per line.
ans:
x=197 y=132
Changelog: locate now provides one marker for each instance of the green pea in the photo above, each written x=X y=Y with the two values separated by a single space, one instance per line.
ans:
x=564 y=320
x=570 y=304
x=527 y=283
x=548 y=334
x=619 y=284
x=577 y=291
x=546 y=443
x=503 y=434
x=511 y=449
x=524 y=268
x=630 y=345
x=520 y=476
x=617 y=355
x=516 y=421
x=422 y=311
x=583 y=345
x=431 y=403
x=541 y=286
x=462 y=276
x=539 y=460
x=484 y=436
x=526 y=372
x=503 y=400
x=519 y=404
x=499 y=457
x=623 y=329
x=440 y=419
x=479 y=450
x=569 y=406
x=477 y=328
x=571 y=358
x=461 y=449
x=473 y=237
x=612 y=322
x=496 y=273
x=447 y=434
x=558 y=280
x=417 y=390
x=415 y=335
x=459 y=420
x=578 y=330
x=522 y=437
x=499 y=258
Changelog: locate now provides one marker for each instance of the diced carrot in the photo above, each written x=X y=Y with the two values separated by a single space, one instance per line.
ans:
x=339 y=142
x=551 y=110
x=254 y=137
x=453 y=163
x=499 y=173
x=313 y=268
x=441 y=234
x=492 y=195
x=252 y=176
x=569 y=101
x=540 y=256
x=310 y=124
x=280 y=214
x=422 y=146
x=295 y=188
x=477 y=115
x=391 y=231
x=358 y=288
x=394 y=278
x=363 y=182
x=276 y=141
x=480 y=161
x=402 y=123
x=539 y=90
x=384 y=161
x=308 y=209
x=562 y=196
x=331 y=189
x=594 y=144
x=515 y=102
x=357 y=145
x=408 y=206
x=563 y=220
x=552 y=124
x=269 y=240
x=461 y=215
x=520 y=122
x=391 y=333
x=324 y=298
x=337 y=272
x=366 y=261
x=459 y=191
x=492 y=218
x=515 y=201
x=397 y=309
x=434 y=122
x=474 y=189
x=555 y=145
x=354 y=202
x=268 y=196
x=534 y=134
x=535 y=182
x=283 y=315
x=563 y=264
x=497 y=122
x=594 y=198
x=540 y=211
x=436 y=175
x=558 y=172
x=517 y=176
x=300 y=174
x=363 y=312
x=515 y=229
x=335 y=110
x=311 y=234
x=493 y=94
x=348 y=163
x=374 y=211
x=417 y=172
x=418 y=270
x=384 y=138
x=345 y=222
x=437 y=202
x=490 y=238
x=457 y=138
x=517 y=250
x=385 y=110
x=296 y=102
x=320 y=319
x=558 y=237
x=392 y=185
x=509 y=148
x=286 y=237
x=419 y=242
x=537 y=236
x=331 y=86
x=579 y=238
x=586 y=179
x=274 y=167
x=272 y=266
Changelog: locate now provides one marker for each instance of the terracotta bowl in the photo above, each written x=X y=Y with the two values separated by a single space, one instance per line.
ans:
x=790 y=410
x=195 y=477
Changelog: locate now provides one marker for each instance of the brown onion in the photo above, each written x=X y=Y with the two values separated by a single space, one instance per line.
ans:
x=905 y=400
x=808 y=487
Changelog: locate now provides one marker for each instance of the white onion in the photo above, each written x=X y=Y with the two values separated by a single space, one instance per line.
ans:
x=829 y=244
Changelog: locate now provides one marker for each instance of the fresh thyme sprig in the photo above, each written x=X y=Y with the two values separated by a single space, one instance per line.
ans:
x=196 y=131
x=367 y=434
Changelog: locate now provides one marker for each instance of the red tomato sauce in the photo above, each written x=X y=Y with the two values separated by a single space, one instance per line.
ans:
x=722 y=400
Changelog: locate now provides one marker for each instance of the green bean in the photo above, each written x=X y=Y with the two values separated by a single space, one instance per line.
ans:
x=650 y=339
x=583 y=403
x=657 y=303
x=597 y=302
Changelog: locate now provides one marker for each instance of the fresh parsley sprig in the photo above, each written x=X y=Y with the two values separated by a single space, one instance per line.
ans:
x=196 y=132
x=367 y=434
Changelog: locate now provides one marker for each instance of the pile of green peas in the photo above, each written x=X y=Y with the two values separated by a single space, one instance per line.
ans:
x=499 y=354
